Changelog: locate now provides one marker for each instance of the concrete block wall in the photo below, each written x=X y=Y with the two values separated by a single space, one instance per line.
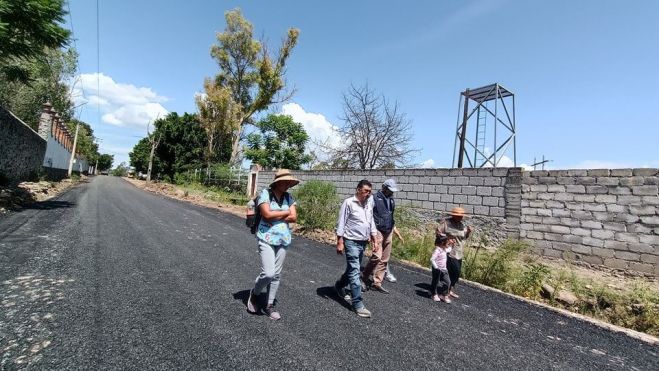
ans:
x=21 y=148
x=602 y=217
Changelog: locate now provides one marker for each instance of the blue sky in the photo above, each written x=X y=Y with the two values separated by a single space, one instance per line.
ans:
x=584 y=73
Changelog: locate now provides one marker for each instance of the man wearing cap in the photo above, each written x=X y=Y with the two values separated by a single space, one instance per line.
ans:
x=455 y=227
x=383 y=215
x=273 y=234
x=355 y=228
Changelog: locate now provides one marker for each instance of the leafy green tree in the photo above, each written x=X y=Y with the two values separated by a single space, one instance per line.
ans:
x=139 y=157
x=48 y=77
x=181 y=147
x=182 y=141
x=85 y=145
x=105 y=161
x=247 y=70
x=27 y=27
x=120 y=170
x=218 y=116
x=279 y=143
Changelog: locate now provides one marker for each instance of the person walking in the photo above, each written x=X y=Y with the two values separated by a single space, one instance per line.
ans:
x=355 y=228
x=455 y=227
x=443 y=245
x=383 y=215
x=277 y=208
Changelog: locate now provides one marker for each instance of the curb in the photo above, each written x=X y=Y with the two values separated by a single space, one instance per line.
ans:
x=647 y=338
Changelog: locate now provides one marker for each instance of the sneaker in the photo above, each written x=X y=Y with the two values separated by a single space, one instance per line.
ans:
x=363 y=312
x=379 y=288
x=446 y=299
x=390 y=277
x=436 y=298
x=340 y=293
x=453 y=294
x=252 y=306
x=271 y=312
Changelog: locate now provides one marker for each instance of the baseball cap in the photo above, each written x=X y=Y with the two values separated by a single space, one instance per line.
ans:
x=391 y=185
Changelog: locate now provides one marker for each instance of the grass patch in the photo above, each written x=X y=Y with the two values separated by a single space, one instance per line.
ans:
x=215 y=193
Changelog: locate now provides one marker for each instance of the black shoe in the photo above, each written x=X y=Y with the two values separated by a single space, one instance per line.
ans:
x=379 y=288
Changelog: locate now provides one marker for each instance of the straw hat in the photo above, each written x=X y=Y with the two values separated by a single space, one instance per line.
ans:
x=284 y=174
x=457 y=211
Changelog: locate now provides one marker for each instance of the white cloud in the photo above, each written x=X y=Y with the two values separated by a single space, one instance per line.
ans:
x=121 y=104
x=320 y=130
x=427 y=164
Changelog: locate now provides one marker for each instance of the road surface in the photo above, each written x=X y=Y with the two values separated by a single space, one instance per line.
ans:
x=108 y=276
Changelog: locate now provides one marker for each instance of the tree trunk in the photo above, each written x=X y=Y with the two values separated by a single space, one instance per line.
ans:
x=148 y=172
x=235 y=147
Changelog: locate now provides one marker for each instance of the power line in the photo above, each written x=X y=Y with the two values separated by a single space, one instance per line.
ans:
x=98 y=63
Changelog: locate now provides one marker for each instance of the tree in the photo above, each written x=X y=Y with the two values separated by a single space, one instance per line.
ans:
x=105 y=161
x=182 y=141
x=280 y=143
x=120 y=170
x=247 y=70
x=154 y=141
x=27 y=27
x=86 y=145
x=376 y=134
x=218 y=114
x=139 y=157
x=48 y=83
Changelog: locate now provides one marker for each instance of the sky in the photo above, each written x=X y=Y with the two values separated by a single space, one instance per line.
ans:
x=585 y=74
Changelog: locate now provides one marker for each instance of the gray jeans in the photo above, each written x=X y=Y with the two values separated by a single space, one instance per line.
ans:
x=272 y=260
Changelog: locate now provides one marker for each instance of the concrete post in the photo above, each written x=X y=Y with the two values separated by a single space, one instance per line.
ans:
x=45 y=120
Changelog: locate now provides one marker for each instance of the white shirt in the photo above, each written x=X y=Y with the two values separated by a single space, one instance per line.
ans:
x=356 y=220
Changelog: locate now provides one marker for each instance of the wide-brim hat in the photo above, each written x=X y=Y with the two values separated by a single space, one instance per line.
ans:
x=284 y=174
x=457 y=211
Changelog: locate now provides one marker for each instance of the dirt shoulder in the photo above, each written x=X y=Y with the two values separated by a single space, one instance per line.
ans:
x=16 y=197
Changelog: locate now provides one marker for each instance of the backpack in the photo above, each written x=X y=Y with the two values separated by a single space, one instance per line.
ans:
x=253 y=220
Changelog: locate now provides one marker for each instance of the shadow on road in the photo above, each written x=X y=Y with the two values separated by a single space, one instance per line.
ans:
x=328 y=292
x=242 y=296
x=49 y=205
x=424 y=290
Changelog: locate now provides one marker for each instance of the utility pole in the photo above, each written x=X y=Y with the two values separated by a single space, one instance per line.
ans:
x=73 y=152
x=154 y=140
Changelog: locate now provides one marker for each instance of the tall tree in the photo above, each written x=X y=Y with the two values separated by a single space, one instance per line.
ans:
x=280 y=143
x=105 y=161
x=375 y=132
x=49 y=78
x=247 y=70
x=139 y=157
x=27 y=27
x=218 y=114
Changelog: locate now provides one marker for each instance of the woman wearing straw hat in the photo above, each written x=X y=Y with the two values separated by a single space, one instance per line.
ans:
x=456 y=228
x=273 y=234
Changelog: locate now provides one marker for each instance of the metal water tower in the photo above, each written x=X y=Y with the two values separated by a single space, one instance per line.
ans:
x=488 y=117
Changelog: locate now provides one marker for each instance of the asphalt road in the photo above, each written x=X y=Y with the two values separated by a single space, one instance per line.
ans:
x=108 y=276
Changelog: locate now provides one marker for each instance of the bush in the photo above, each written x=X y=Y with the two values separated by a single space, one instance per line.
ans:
x=493 y=269
x=318 y=204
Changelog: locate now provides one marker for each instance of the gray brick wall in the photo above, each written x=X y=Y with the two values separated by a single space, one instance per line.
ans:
x=600 y=216
x=21 y=148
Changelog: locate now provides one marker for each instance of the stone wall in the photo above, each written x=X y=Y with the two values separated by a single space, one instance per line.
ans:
x=602 y=217
x=21 y=148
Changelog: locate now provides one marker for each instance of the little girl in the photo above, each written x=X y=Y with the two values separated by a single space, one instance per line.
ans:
x=439 y=272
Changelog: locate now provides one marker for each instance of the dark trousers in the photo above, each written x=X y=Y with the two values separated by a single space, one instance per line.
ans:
x=454 y=268
x=437 y=276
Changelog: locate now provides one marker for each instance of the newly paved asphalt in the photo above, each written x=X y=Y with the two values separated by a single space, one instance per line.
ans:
x=108 y=276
